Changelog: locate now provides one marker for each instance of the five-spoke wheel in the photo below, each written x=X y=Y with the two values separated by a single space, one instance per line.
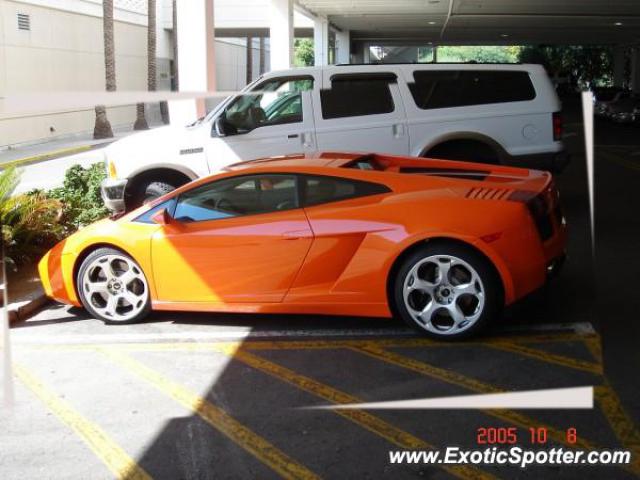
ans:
x=113 y=287
x=446 y=290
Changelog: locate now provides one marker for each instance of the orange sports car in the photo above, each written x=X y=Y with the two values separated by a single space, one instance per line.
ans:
x=444 y=245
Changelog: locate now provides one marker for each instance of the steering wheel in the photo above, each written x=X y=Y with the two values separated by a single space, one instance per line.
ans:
x=285 y=205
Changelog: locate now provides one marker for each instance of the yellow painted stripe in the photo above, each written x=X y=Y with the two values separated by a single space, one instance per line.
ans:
x=549 y=357
x=364 y=419
x=448 y=376
x=113 y=456
x=46 y=156
x=621 y=423
x=595 y=347
x=253 y=443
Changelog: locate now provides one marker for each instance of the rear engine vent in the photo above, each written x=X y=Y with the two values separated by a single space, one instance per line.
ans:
x=484 y=193
x=479 y=175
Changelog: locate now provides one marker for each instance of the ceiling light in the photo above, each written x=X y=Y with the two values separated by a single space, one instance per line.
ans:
x=618 y=24
x=504 y=35
x=432 y=23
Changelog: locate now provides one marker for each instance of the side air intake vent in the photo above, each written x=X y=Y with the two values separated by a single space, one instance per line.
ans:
x=483 y=193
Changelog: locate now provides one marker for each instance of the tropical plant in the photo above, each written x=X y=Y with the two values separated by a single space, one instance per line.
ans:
x=102 y=128
x=30 y=222
x=141 y=121
x=80 y=197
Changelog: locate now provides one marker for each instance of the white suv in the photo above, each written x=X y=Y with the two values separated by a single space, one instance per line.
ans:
x=493 y=113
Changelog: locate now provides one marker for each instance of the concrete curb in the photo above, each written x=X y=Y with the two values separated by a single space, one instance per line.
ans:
x=29 y=309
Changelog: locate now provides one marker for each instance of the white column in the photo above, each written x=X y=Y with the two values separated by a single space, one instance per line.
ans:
x=192 y=58
x=618 y=66
x=343 y=46
x=281 y=34
x=321 y=41
x=635 y=69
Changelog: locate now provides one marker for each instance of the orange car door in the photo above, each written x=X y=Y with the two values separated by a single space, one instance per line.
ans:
x=237 y=240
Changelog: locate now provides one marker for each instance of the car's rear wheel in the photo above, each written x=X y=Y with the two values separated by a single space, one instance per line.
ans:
x=446 y=290
x=113 y=287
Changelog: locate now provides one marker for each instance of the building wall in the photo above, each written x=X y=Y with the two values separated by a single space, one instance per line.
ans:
x=63 y=51
x=231 y=63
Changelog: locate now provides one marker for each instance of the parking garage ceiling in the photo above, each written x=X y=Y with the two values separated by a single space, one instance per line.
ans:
x=485 y=21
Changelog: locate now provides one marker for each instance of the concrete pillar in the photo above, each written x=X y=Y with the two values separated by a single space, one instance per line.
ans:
x=321 y=41
x=262 y=55
x=281 y=34
x=366 y=53
x=635 y=69
x=196 y=62
x=343 y=46
x=618 y=66
x=249 y=78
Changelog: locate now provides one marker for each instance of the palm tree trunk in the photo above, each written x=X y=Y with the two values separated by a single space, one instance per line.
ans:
x=141 y=121
x=176 y=82
x=102 y=128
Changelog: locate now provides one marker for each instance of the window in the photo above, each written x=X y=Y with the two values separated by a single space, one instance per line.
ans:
x=169 y=205
x=317 y=189
x=237 y=196
x=273 y=102
x=24 y=21
x=457 y=88
x=356 y=94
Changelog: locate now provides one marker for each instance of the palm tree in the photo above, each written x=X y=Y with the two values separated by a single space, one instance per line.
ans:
x=102 y=127
x=141 y=121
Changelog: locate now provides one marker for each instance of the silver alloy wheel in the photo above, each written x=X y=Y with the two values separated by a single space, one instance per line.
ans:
x=444 y=294
x=115 y=287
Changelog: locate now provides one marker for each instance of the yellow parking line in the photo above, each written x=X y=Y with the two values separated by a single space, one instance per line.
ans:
x=508 y=416
x=620 y=422
x=264 y=451
x=114 y=457
x=364 y=419
x=548 y=357
x=595 y=347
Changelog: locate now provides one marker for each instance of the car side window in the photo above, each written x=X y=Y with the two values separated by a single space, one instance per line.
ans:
x=273 y=102
x=238 y=196
x=353 y=95
x=317 y=190
x=457 y=88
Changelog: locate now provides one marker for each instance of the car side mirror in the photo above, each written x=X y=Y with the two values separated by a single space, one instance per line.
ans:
x=219 y=125
x=163 y=217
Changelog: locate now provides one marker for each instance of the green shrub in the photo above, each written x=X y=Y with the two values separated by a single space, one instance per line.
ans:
x=30 y=222
x=80 y=196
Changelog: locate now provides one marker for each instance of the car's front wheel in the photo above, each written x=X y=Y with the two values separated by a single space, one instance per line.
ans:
x=113 y=287
x=447 y=290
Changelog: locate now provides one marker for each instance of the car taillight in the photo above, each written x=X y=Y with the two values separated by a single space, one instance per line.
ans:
x=539 y=210
x=557 y=126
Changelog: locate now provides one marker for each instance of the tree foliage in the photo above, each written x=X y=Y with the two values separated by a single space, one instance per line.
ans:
x=583 y=65
x=303 y=52
x=480 y=54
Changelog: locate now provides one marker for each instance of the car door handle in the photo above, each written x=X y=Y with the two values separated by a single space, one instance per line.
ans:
x=398 y=130
x=293 y=135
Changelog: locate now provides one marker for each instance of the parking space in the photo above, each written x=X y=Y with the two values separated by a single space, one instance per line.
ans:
x=228 y=396
x=175 y=403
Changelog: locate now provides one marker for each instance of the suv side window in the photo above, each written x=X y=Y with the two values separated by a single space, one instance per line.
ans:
x=353 y=95
x=457 y=88
x=237 y=196
x=273 y=102
x=320 y=189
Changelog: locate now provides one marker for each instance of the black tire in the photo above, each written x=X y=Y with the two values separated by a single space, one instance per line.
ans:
x=148 y=191
x=90 y=301
x=491 y=286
